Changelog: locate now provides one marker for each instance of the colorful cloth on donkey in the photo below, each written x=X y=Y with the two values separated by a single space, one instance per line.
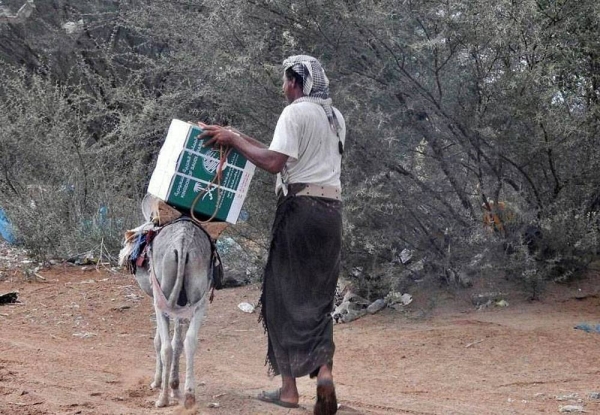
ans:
x=139 y=240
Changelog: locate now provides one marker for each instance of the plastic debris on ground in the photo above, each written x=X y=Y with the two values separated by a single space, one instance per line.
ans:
x=9 y=298
x=351 y=308
x=6 y=229
x=588 y=328
x=571 y=409
x=376 y=306
x=246 y=307
x=396 y=298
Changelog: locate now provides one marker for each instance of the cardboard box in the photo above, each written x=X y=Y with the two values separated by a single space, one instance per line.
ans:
x=185 y=167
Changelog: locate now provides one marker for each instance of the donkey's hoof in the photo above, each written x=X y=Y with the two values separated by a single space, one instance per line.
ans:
x=162 y=402
x=155 y=385
x=190 y=400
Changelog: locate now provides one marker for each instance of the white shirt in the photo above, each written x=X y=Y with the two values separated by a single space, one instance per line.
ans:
x=303 y=133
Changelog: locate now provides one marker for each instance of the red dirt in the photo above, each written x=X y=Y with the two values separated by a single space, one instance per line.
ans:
x=81 y=343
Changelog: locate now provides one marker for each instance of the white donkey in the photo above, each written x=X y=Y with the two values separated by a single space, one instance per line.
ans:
x=178 y=277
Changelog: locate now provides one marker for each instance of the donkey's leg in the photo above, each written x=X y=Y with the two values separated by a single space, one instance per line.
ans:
x=158 y=371
x=191 y=342
x=177 y=344
x=166 y=356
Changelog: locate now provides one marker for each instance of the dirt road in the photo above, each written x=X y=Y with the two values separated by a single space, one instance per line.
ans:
x=81 y=343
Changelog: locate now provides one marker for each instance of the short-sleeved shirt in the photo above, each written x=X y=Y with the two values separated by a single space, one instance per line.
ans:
x=303 y=133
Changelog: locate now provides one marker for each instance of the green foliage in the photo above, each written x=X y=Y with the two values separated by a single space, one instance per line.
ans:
x=450 y=105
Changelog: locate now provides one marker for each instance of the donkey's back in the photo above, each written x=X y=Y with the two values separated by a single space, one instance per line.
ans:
x=181 y=259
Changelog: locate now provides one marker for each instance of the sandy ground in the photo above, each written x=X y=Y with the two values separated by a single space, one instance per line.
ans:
x=81 y=343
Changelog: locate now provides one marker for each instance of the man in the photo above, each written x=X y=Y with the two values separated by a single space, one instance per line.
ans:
x=304 y=257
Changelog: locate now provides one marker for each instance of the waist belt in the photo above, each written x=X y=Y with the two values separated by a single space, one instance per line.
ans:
x=315 y=190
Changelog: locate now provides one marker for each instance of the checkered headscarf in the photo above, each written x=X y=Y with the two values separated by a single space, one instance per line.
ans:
x=316 y=84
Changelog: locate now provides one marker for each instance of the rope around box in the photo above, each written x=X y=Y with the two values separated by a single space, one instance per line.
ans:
x=223 y=154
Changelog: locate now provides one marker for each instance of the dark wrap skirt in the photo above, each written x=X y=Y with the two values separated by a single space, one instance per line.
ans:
x=299 y=284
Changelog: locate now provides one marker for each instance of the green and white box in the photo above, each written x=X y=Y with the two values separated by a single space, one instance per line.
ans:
x=185 y=167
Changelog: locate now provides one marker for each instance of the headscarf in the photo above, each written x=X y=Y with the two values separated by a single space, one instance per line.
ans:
x=316 y=84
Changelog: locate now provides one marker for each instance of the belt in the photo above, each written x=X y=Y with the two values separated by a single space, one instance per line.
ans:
x=315 y=190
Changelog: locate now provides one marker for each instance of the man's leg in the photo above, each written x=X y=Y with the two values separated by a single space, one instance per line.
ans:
x=325 y=374
x=326 y=399
x=289 y=390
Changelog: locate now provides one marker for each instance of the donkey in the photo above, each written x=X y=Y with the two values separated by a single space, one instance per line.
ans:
x=178 y=277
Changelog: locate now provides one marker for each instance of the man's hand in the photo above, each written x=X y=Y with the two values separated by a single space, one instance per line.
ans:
x=255 y=151
x=219 y=135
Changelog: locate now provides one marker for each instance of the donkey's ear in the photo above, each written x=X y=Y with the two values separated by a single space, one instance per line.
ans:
x=149 y=203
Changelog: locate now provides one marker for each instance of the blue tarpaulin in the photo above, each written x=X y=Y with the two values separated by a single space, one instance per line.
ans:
x=6 y=229
x=588 y=328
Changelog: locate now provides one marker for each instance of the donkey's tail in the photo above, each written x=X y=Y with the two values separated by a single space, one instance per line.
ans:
x=175 y=292
x=169 y=306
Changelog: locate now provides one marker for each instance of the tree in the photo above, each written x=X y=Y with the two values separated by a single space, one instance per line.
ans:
x=452 y=108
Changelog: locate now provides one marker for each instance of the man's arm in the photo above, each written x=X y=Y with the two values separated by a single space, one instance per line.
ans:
x=249 y=139
x=255 y=151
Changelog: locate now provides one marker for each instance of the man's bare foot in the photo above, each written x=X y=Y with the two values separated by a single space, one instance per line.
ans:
x=326 y=399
